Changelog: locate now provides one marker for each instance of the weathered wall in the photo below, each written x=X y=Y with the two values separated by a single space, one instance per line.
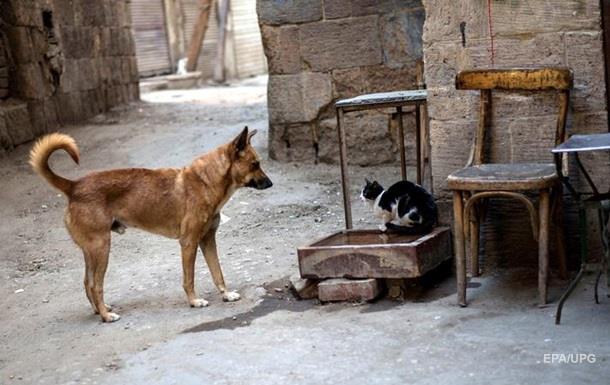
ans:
x=526 y=33
x=67 y=60
x=319 y=51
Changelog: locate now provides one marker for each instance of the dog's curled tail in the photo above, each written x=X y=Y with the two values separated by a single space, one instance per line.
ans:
x=42 y=150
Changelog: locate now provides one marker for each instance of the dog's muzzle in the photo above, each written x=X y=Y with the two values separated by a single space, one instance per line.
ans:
x=260 y=184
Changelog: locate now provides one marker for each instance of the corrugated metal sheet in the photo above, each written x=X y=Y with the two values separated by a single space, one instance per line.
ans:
x=248 y=47
x=152 y=52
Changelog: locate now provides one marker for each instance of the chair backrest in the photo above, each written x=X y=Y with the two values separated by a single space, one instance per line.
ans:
x=558 y=80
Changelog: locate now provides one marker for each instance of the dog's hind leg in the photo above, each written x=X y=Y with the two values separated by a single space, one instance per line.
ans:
x=208 y=247
x=98 y=250
x=189 y=255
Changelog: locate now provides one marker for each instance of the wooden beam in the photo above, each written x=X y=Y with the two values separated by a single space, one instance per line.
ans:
x=198 y=34
x=223 y=17
x=513 y=79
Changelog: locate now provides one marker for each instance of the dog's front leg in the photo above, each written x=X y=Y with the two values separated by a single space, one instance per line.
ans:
x=189 y=254
x=208 y=247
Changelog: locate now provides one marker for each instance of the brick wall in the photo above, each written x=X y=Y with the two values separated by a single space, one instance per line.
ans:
x=527 y=33
x=68 y=60
x=319 y=51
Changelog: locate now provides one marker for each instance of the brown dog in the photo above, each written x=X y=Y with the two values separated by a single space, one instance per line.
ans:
x=177 y=203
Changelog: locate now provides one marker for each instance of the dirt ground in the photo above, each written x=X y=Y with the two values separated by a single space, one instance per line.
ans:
x=50 y=336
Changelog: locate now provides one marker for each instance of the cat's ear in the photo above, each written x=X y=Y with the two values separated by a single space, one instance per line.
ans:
x=367 y=181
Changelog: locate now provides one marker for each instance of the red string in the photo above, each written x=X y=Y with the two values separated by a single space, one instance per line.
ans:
x=491 y=34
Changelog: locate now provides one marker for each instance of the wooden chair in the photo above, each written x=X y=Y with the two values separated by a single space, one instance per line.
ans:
x=479 y=180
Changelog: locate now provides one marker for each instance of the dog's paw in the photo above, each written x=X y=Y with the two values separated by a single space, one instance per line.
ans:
x=230 y=296
x=111 y=317
x=199 y=302
x=108 y=308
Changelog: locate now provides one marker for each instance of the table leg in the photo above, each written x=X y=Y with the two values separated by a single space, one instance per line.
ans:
x=401 y=145
x=460 y=251
x=418 y=144
x=344 y=172
x=603 y=214
x=582 y=227
x=543 y=246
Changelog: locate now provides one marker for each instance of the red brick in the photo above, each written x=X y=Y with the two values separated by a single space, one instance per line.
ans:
x=341 y=289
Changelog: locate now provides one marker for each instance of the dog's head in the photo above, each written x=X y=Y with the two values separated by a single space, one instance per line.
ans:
x=246 y=167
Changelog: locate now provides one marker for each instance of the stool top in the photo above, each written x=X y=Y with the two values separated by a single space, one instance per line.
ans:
x=589 y=142
x=396 y=97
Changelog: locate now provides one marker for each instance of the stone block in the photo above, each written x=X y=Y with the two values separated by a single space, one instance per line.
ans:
x=443 y=19
x=282 y=49
x=90 y=13
x=447 y=104
x=37 y=117
x=527 y=17
x=20 y=44
x=341 y=289
x=89 y=74
x=584 y=55
x=6 y=142
x=450 y=144
x=381 y=78
x=343 y=43
x=69 y=107
x=530 y=51
x=304 y=288
x=402 y=37
x=17 y=119
x=69 y=78
x=293 y=142
x=63 y=12
x=79 y=42
x=298 y=98
x=28 y=82
x=369 y=141
x=288 y=11
x=441 y=64
x=348 y=82
x=21 y=13
x=337 y=9
x=588 y=123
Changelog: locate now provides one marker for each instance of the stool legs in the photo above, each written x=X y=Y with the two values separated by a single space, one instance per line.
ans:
x=474 y=223
x=460 y=254
x=543 y=246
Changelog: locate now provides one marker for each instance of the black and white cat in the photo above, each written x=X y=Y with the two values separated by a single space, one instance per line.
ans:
x=405 y=207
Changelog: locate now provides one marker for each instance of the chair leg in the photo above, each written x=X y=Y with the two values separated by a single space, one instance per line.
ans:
x=543 y=246
x=474 y=240
x=460 y=257
x=559 y=232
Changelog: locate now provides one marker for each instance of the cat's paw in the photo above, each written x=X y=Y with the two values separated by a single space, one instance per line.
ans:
x=383 y=228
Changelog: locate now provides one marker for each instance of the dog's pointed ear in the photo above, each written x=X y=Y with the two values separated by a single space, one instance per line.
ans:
x=251 y=134
x=241 y=141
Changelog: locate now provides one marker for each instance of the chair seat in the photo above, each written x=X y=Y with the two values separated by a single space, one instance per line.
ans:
x=494 y=176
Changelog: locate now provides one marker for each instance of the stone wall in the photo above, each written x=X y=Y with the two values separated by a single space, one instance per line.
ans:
x=526 y=33
x=67 y=60
x=319 y=51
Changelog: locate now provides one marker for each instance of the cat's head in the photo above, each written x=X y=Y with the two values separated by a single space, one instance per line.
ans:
x=371 y=190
